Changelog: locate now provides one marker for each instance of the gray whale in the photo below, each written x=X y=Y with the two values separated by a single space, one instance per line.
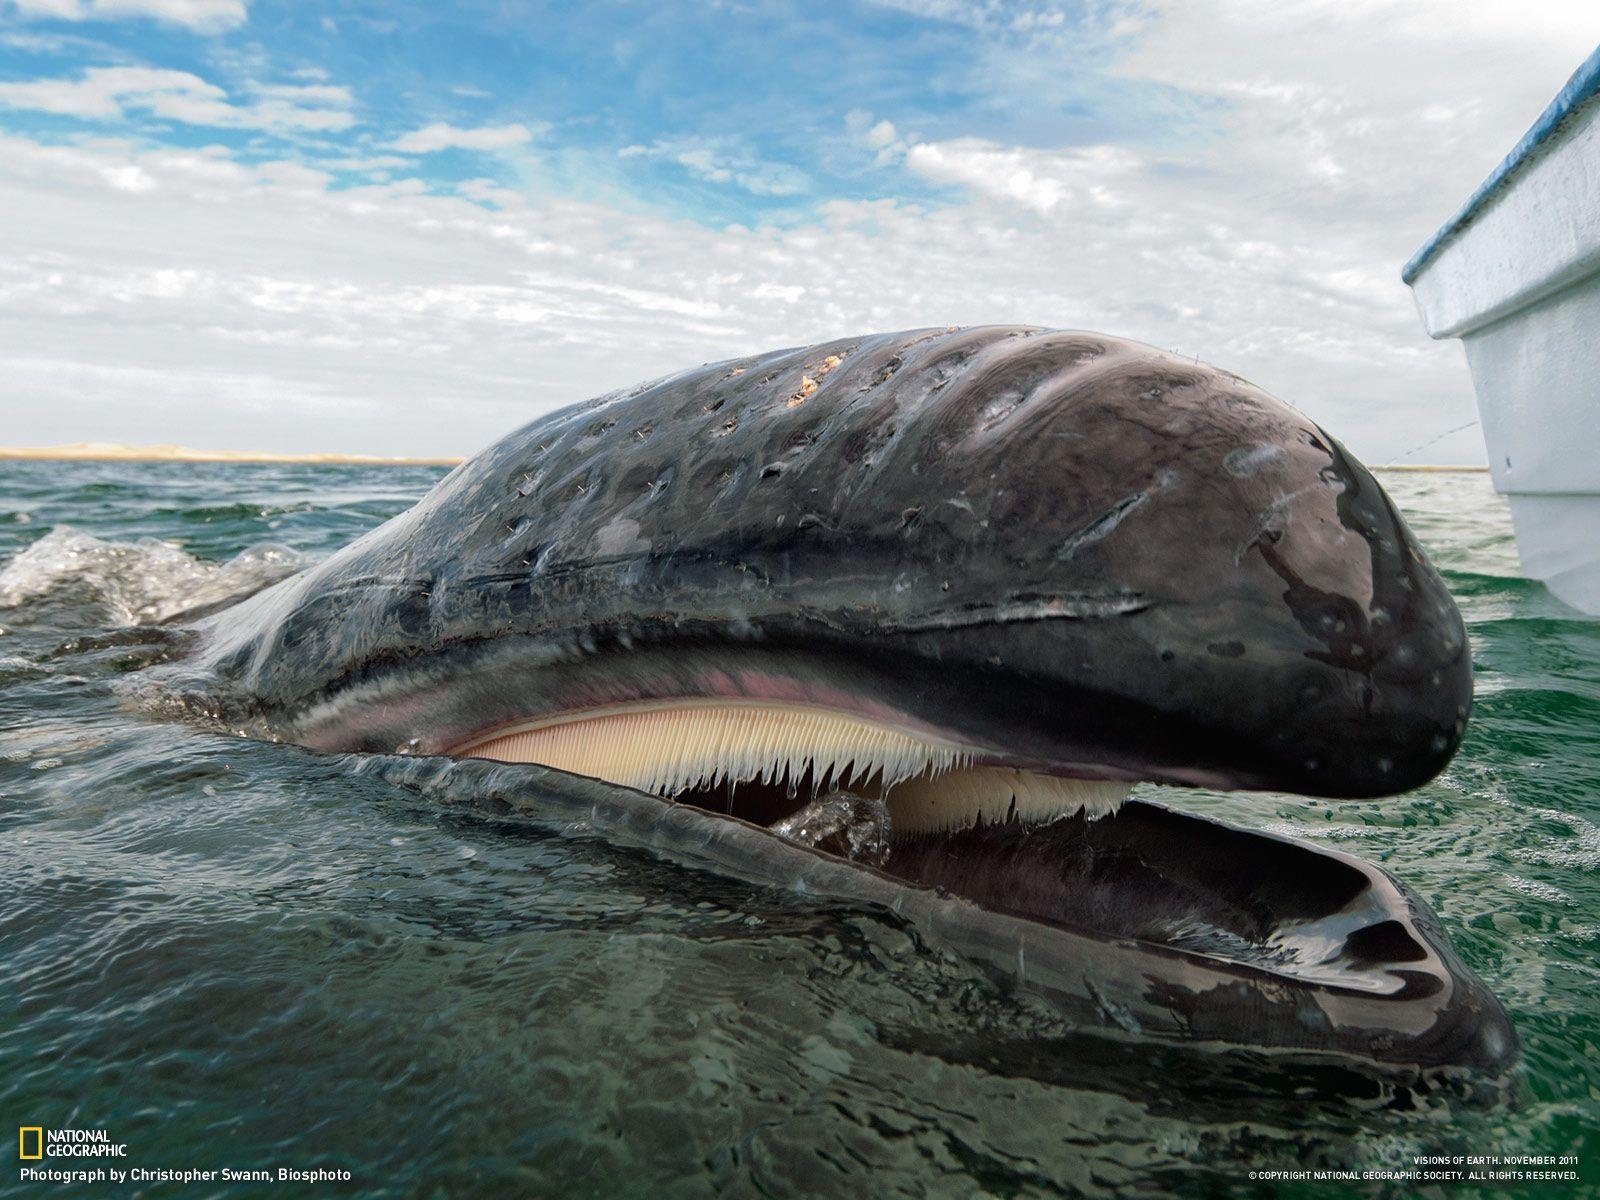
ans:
x=1056 y=555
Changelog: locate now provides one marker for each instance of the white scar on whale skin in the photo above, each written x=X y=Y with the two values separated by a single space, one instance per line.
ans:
x=674 y=747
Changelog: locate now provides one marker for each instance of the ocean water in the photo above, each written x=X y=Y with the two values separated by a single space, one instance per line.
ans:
x=230 y=954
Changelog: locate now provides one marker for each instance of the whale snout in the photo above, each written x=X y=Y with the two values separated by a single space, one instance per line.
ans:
x=1377 y=733
x=1240 y=603
x=1381 y=683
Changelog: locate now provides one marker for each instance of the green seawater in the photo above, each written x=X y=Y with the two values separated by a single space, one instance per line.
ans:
x=230 y=954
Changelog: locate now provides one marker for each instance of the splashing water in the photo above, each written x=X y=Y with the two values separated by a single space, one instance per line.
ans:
x=855 y=827
x=140 y=583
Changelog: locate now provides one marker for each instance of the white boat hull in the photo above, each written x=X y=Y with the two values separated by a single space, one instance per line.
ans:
x=1516 y=276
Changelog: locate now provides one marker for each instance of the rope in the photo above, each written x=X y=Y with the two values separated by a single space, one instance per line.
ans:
x=1431 y=442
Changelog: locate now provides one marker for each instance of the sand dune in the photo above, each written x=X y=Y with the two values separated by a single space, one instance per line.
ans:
x=167 y=452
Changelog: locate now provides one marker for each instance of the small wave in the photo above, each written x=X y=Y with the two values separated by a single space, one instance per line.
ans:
x=208 y=514
x=132 y=583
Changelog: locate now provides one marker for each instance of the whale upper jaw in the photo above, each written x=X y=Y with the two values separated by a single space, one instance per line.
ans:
x=1075 y=547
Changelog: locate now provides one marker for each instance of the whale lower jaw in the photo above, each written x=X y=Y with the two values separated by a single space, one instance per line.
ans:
x=756 y=755
x=1132 y=916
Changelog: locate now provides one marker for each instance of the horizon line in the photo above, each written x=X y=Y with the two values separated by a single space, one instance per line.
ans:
x=170 y=452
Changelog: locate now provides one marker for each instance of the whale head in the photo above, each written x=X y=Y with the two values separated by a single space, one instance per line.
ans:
x=989 y=578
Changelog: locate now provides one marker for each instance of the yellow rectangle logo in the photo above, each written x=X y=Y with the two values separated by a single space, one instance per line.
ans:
x=38 y=1141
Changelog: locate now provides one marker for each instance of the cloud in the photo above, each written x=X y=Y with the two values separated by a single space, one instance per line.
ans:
x=487 y=191
x=307 y=93
x=440 y=136
x=988 y=16
x=881 y=138
x=1258 y=222
x=366 y=163
x=202 y=16
x=880 y=135
x=108 y=93
x=1034 y=179
x=988 y=168
x=719 y=160
x=299 y=312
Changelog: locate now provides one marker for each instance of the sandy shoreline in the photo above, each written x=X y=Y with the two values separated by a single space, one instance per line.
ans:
x=1442 y=468
x=167 y=452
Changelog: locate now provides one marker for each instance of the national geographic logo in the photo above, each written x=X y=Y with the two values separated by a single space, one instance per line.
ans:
x=34 y=1142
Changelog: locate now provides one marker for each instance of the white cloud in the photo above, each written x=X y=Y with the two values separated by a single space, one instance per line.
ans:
x=202 y=16
x=103 y=93
x=881 y=137
x=440 y=136
x=273 y=296
x=366 y=164
x=718 y=160
x=307 y=93
x=487 y=191
x=988 y=168
x=990 y=16
x=1039 y=180
x=181 y=295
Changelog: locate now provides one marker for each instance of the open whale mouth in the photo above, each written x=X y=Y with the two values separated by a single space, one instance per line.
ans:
x=1051 y=847
x=921 y=804
x=763 y=761
x=1146 y=920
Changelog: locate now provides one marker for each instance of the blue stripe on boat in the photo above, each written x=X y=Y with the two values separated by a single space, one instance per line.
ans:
x=1581 y=88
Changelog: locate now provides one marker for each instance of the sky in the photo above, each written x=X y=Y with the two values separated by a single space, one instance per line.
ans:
x=407 y=228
